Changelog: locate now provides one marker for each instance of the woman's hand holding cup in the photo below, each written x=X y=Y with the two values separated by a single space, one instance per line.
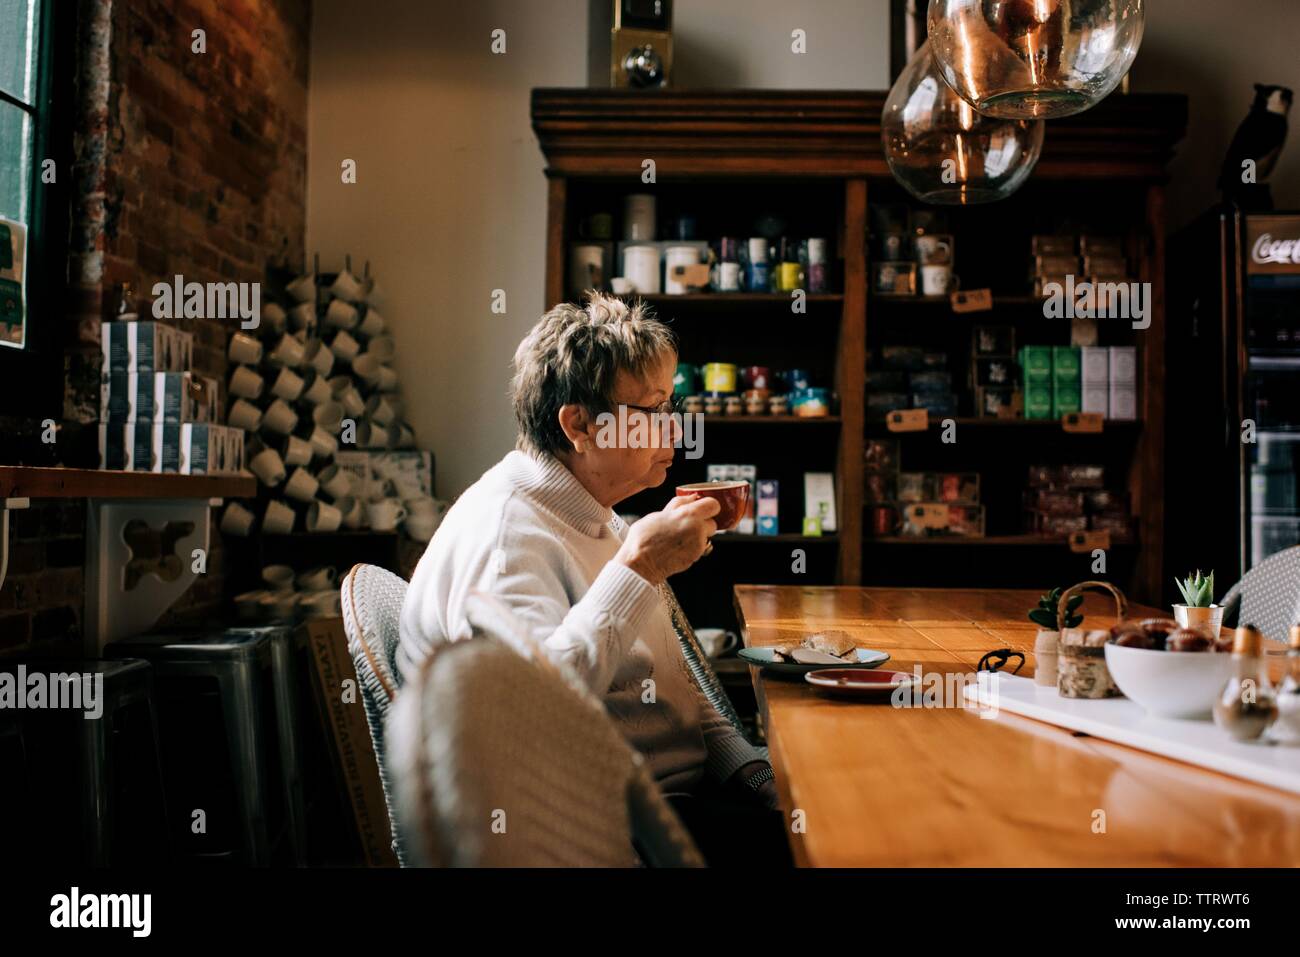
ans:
x=664 y=543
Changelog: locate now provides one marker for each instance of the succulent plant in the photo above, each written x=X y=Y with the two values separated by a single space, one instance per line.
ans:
x=1044 y=616
x=1197 y=590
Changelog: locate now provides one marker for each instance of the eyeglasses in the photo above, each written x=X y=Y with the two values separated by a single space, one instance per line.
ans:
x=669 y=406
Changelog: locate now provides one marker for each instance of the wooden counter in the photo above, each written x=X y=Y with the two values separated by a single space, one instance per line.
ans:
x=890 y=787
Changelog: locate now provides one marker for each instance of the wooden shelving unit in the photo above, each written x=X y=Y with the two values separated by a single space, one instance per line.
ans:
x=818 y=156
x=20 y=481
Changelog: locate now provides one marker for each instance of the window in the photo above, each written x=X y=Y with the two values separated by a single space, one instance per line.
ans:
x=19 y=118
x=37 y=74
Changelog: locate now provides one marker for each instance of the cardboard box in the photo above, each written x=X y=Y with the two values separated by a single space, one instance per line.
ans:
x=1123 y=403
x=144 y=347
x=1038 y=400
x=159 y=397
x=819 y=498
x=1123 y=366
x=1036 y=363
x=1095 y=398
x=197 y=448
x=126 y=446
x=1094 y=366
x=1066 y=398
x=352 y=752
x=1065 y=364
x=748 y=473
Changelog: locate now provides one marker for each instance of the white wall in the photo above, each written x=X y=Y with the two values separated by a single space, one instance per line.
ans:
x=450 y=201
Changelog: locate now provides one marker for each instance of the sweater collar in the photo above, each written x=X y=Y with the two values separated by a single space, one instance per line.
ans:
x=545 y=479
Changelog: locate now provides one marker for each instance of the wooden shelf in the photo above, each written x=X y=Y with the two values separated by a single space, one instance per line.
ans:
x=735 y=538
x=771 y=420
x=736 y=298
x=1121 y=425
x=1038 y=541
x=21 y=481
x=1014 y=299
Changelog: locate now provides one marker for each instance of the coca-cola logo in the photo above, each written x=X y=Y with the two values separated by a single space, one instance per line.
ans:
x=1281 y=251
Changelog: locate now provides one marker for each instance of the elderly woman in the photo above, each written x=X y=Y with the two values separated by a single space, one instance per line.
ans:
x=538 y=531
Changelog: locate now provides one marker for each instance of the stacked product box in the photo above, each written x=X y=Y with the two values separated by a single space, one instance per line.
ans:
x=1065 y=381
x=1036 y=367
x=994 y=372
x=881 y=487
x=910 y=378
x=941 y=503
x=1065 y=499
x=156 y=415
x=768 y=507
x=1122 y=383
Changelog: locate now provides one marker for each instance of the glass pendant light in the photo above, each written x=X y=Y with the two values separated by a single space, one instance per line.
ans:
x=1034 y=59
x=944 y=152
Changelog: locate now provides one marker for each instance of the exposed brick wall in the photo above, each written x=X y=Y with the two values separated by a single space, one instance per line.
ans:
x=186 y=163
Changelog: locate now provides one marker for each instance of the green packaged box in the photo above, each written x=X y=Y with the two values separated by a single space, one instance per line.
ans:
x=1036 y=361
x=1067 y=397
x=1038 y=400
x=1067 y=365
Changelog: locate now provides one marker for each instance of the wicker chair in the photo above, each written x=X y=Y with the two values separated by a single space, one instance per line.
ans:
x=502 y=759
x=372 y=607
x=1269 y=594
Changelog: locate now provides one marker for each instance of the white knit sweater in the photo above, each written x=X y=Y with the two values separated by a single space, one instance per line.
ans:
x=531 y=534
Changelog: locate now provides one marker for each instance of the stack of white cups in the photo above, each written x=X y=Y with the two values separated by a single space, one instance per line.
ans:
x=314 y=378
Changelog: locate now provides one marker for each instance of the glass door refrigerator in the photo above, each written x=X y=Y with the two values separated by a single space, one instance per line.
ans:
x=1233 y=373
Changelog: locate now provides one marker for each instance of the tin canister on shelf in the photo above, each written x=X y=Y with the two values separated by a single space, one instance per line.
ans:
x=727 y=271
x=758 y=274
x=720 y=377
x=685 y=379
x=811 y=403
x=816 y=264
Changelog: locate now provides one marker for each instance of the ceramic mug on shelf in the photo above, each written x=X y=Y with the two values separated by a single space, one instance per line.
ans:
x=245 y=383
x=323 y=444
x=288 y=385
x=287 y=352
x=338 y=482
x=385 y=514
x=274 y=318
x=317 y=389
x=318 y=356
x=344 y=346
x=302 y=317
x=349 y=287
x=278 y=577
x=352 y=509
x=372 y=325
x=244 y=415
x=341 y=315
x=297 y=451
x=322 y=517
x=279 y=418
x=938 y=280
x=302 y=485
x=641 y=269
x=328 y=415
x=318 y=579
x=268 y=467
x=244 y=349
x=303 y=288
x=278 y=519
x=237 y=520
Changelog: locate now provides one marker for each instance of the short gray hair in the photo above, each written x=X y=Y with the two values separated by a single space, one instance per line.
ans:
x=573 y=355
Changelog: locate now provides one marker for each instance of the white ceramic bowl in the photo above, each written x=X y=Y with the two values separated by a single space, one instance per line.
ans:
x=1170 y=684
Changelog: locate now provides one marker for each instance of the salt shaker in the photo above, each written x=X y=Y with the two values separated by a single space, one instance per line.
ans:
x=1286 y=729
x=1246 y=706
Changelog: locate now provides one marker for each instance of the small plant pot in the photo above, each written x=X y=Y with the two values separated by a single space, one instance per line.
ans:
x=1047 y=653
x=1207 y=620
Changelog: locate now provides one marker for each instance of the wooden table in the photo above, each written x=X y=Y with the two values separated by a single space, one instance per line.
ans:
x=890 y=787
